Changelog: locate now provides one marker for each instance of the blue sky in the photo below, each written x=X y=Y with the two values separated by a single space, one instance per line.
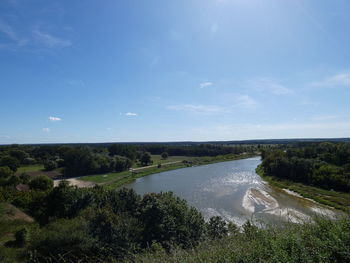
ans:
x=99 y=71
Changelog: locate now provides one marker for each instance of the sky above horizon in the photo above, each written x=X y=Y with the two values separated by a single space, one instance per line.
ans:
x=123 y=71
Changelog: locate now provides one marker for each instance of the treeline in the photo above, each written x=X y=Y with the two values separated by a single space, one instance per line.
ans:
x=326 y=165
x=199 y=150
x=107 y=224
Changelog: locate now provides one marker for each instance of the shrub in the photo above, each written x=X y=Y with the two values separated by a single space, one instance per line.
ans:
x=41 y=183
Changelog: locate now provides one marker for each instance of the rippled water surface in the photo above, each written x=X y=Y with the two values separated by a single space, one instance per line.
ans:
x=232 y=190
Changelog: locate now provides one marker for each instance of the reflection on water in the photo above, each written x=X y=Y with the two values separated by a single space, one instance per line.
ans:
x=232 y=190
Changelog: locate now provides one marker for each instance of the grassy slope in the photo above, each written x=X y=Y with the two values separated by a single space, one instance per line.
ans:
x=12 y=220
x=324 y=241
x=114 y=180
x=334 y=199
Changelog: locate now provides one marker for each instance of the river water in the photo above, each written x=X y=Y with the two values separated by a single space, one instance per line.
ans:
x=233 y=191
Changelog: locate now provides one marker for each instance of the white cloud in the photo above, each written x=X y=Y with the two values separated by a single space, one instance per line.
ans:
x=270 y=85
x=46 y=130
x=245 y=101
x=206 y=84
x=199 y=109
x=131 y=114
x=341 y=79
x=49 y=40
x=54 y=118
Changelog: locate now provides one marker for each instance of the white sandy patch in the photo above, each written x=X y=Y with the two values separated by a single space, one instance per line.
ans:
x=324 y=212
x=258 y=197
x=255 y=197
x=292 y=193
x=76 y=182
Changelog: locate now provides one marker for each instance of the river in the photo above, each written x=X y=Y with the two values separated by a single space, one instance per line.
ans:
x=233 y=191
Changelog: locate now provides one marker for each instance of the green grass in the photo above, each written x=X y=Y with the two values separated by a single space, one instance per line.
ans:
x=334 y=199
x=157 y=159
x=30 y=168
x=104 y=178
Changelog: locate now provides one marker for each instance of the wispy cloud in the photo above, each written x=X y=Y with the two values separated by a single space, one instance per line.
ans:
x=245 y=101
x=131 y=114
x=49 y=40
x=196 y=109
x=46 y=130
x=10 y=33
x=270 y=85
x=205 y=84
x=54 y=119
x=340 y=79
x=16 y=39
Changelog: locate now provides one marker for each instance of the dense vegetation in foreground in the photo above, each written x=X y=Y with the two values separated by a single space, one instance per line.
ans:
x=100 y=225
x=320 y=171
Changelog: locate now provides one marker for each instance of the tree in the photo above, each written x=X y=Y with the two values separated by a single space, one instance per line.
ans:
x=19 y=155
x=217 y=227
x=146 y=159
x=169 y=221
x=50 y=165
x=11 y=162
x=41 y=183
x=5 y=172
x=122 y=163
x=165 y=155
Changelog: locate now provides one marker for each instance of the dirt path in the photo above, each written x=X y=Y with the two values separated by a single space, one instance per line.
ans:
x=76 y=182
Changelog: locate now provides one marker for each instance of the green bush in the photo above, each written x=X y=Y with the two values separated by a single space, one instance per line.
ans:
x=41 y=182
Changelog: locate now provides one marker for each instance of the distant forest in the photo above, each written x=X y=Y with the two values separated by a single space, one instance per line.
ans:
x=325 y=165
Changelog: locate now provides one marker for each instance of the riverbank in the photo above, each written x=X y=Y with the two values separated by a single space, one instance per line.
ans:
x=115 y=180
x=337 y=200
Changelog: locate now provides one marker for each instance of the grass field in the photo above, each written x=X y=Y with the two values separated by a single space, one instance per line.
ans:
x=30 y=168
x=157 y=159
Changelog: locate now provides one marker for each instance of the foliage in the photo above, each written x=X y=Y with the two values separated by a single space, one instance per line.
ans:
x=21 y=237
x=217 y=227
x=50 y=165
x=322 y=241
x=169 y=221
x=5 y=172
x=41 y=182
x=10 y=162
x=146 y=159
x=165 y=155
x=320 y=165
